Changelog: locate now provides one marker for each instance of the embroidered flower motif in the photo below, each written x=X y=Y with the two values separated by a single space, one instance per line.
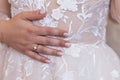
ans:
x=28 y=67
x=68 y=5
x=48 y=21
x=115 y=74
x=56 y=14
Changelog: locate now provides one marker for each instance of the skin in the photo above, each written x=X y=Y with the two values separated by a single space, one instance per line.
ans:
x=115 y=10
x=20 y=34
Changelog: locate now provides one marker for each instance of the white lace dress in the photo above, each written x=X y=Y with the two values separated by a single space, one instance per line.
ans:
x=89 y=58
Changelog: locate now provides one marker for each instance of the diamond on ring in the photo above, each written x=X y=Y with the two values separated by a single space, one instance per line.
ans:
x=35 y=47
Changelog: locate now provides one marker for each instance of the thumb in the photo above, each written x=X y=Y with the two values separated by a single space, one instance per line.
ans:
x=32 y=15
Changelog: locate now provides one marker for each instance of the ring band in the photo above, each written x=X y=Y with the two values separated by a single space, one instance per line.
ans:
x=35 y=48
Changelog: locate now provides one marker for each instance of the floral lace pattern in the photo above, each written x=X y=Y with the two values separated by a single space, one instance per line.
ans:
x=88 y=58
x=82 y=18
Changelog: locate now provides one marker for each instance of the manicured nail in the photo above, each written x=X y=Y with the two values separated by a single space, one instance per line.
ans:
x=67 y=44
x=59 y=53
x=66 y=34
x=42 y=11
x=47 y=61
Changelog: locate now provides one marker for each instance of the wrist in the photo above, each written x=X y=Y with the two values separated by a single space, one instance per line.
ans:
x=3 y=19
x=3 y=25
x=1 y=30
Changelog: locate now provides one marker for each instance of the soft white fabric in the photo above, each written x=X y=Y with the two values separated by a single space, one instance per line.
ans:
x=89 y=58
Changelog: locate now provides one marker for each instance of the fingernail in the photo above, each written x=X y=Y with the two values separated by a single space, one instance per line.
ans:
x=42 y=11
x=59 y=53
x=47 y=61
x=67 y=44
x=66 y=34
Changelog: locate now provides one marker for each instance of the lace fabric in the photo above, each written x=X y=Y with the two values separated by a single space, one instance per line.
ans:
x=88 y=58
x=85 y=20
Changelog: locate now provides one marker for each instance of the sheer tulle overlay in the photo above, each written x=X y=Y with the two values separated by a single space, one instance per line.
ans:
x=88 y=58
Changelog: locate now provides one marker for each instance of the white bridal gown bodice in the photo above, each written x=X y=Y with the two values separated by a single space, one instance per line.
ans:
x=88 y=58
x=85 y=20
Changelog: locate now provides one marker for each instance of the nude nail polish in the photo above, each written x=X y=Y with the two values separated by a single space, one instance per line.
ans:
x=60 y=53
x=42 y=11
x=47 y=61
x=66 y=34
x=67 y=44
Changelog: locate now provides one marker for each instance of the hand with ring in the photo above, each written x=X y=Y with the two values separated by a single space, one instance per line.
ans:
x=20 y=34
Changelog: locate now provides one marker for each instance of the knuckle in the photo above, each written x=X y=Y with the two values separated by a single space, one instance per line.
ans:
x=43 y=39
x=61 y=33
x=61 y=42
x=42 y=59
x=37 y=12
x=58 y=42
x=51 y=30
x=40 y=49
x=47 y=30
x=42 y=30
x=51 y=51
x=44 y=50
x=58 y=31
x=54 y=52
x=55 y=31
x=39 y=58
x=48 y=41
x=35 y=30
x=26 y=52
x=36 y=56
x=31 y=39
x=30 y=55
x=33 y=55
x=31 y=30
x=48 y=51
x=26 y=35
x=53 y=41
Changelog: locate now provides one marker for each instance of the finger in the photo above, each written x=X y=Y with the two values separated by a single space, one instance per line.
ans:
x=49 y=51
x=49 y=31
x=45 y=50
x=32 y=15
x=51 y=41
x=38 y=57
